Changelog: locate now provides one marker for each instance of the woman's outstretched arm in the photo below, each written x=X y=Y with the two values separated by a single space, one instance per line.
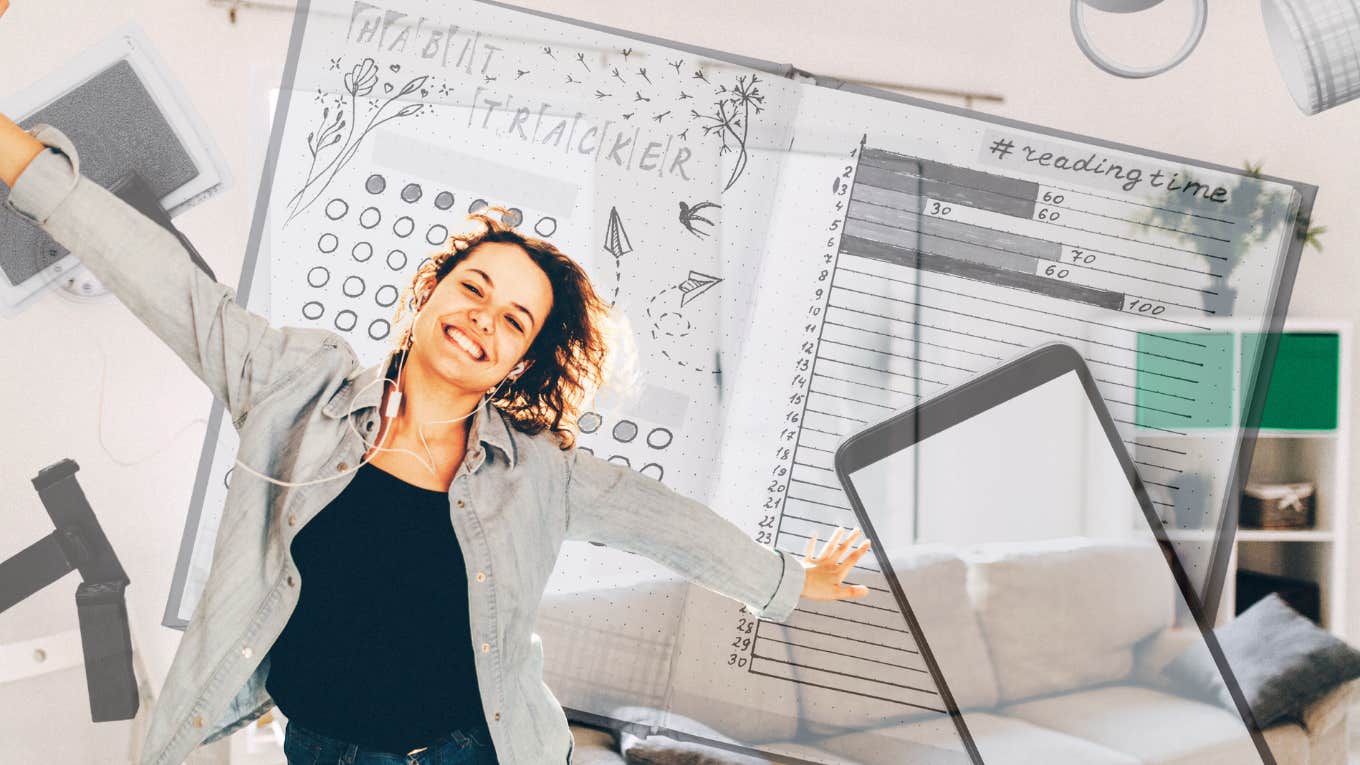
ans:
x=235 y=352
x=619 y=507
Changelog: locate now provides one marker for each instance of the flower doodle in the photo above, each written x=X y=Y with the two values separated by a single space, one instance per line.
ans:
x=337 y=138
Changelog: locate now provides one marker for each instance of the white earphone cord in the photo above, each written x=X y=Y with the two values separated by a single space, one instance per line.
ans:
x=392 y=408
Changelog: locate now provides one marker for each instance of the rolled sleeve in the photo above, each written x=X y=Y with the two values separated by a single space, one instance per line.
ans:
x=619 y=507
x=240 y=357
x=48 y=180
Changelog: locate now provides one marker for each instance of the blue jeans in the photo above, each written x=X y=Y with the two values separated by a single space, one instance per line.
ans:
x=461 y=747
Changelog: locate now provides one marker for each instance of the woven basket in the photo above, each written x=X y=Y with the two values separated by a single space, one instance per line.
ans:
x=1277 y=506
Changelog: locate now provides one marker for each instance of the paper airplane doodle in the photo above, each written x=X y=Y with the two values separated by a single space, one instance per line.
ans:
x=696 y=285
x=616 y=243
x=615 y=238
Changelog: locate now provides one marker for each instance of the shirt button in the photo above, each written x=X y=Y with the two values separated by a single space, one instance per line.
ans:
x=481 y=577
x=342 y=466
x=498 y=715
x=460 y=503
x=292 y=519
x=198 y=721
x=247 y=652
x=291 y=582
x=486 y=647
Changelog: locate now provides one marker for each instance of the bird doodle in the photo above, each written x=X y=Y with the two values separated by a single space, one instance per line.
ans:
x=689 y=215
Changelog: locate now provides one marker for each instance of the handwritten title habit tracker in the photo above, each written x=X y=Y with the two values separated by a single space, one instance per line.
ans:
x=625 y=145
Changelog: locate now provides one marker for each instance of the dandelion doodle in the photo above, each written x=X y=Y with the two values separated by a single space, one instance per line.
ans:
x=731 y=120
x=676 y=65
x=643 y=71
x=640 y=97
x=520 y=73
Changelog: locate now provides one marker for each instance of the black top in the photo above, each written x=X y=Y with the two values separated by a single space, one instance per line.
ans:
x=379 y=650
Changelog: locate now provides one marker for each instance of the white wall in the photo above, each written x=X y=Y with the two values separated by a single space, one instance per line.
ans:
x=1225 y=104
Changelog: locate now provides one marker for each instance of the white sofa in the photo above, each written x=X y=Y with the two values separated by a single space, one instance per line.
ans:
x=1108 y=701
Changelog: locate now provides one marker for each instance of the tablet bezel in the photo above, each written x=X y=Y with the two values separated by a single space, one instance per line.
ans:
x=989 y=389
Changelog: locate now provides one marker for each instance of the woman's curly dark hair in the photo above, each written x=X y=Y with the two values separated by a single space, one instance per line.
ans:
x=568 y=356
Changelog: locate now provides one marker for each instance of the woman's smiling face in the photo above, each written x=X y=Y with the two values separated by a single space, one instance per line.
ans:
x=482 y=316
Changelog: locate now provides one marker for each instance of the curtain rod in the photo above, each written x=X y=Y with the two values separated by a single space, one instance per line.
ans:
x=967 y=96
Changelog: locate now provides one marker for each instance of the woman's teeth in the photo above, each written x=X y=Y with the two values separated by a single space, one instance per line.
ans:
x=462 y=341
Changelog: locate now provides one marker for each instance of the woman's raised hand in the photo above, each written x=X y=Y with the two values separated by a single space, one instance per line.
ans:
x=826 y=570
x=17 y=147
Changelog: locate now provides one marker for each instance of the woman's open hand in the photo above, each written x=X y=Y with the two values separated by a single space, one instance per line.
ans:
x=825 y=571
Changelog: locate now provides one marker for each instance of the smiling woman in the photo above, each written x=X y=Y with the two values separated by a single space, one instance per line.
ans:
x=507 y=297
x=415 y=632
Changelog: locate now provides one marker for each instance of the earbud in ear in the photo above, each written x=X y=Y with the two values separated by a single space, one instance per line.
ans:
x=518 y=370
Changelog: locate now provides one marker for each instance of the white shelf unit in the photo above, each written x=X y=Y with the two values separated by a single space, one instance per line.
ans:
x=1319 y=554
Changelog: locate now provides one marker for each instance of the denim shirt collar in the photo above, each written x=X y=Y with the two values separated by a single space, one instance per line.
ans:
x=359 y=391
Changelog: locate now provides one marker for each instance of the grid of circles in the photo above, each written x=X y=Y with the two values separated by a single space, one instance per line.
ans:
x=626 y=431
x=396 y=259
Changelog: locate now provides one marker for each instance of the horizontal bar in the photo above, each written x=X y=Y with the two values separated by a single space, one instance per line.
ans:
x=927 y=261
x=927 y=225
x=949 y=248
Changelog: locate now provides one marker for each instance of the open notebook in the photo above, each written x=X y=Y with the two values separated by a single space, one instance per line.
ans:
x=797 y=259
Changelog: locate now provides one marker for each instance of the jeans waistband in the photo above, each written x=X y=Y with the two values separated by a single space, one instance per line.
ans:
x=460 y=736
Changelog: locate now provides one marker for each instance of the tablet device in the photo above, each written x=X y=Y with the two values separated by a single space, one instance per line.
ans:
x=1011 y=529
x=124 y=111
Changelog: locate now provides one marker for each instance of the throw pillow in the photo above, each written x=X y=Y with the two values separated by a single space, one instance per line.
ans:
x=1281 y=662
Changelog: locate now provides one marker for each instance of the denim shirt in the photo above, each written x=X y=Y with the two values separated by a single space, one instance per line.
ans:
x=292 y=394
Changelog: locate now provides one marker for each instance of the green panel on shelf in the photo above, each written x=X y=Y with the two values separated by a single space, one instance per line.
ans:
x=1184 y=380
x=1304 y=383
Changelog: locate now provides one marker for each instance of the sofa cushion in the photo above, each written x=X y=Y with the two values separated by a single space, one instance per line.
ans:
x=1155 y=727
x=935 y=581
x=593 y=746
x=1000 y=741
x=1290 y=745
x=1281 y=662
x=1060 y=615
x=664 y=750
